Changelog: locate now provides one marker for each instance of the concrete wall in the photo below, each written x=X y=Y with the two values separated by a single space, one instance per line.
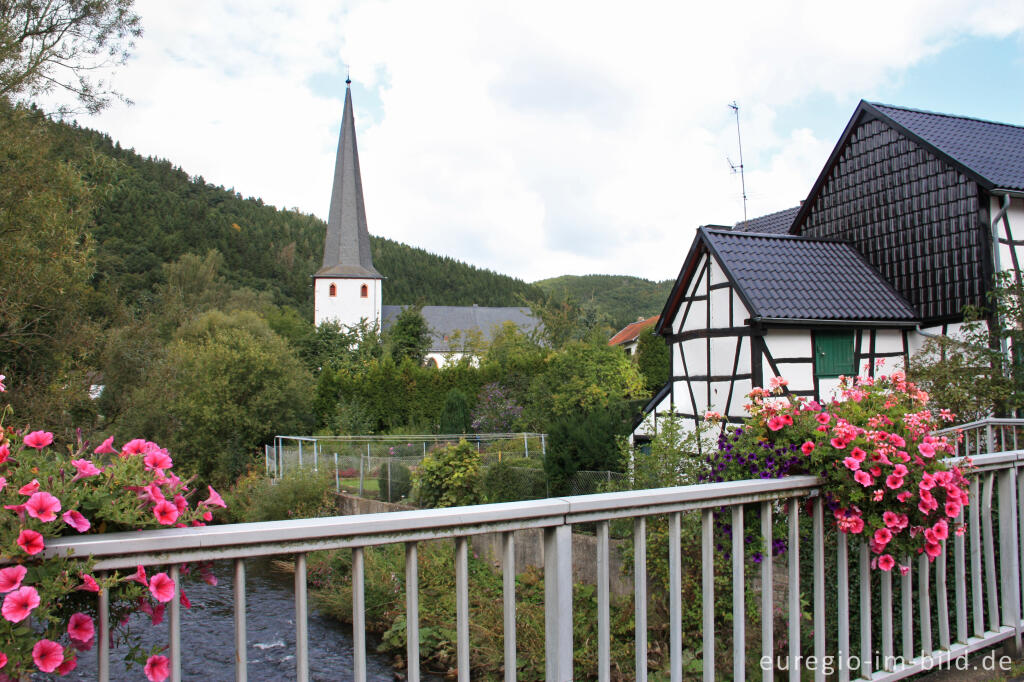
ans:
x=529 y=546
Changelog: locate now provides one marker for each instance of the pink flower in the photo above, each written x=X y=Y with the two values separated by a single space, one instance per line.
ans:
x=877 y=495
x=106 y=447
x=140 y=575
x=80 y=627
x=941 y=530
x=3 y=660
x=157 y=460
x=76 y=520
x=932 y=549
x=926 y=449
x=31 y=541
x=183 y=600
x=904 y=496
x=19 y=603
x=886 y=562
x=157 y=614
x=858 y=454
x=166 y=513
x=882 y=536
x=890 y=519
x=5 y=452
x=838 y=443
x=68 y=665
x=47 y=655
x=29 y=488
x=214 y=500
x=11 y=577
x=88 y=584
x=85 y=468
x=43 y=506
x=823 y=418
x=38 y=440
x=863 y=478
x=137 y=446
x=777 y=382
x=162 y=587
x=851 y=464
x=180 y=503
x=807 y=448
x=952 y=509
x=776 y=423
x=157 y=669
x=893 y=481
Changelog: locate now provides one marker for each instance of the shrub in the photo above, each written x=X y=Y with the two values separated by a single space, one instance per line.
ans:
x=455 y=416
x=449 y=477
x=394 y=481
x=514 y=478
x=300 y=494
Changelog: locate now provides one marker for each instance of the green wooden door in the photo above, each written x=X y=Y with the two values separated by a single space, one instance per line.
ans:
x=833 y=354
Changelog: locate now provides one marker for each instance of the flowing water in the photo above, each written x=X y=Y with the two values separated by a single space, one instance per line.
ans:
x=207 y=634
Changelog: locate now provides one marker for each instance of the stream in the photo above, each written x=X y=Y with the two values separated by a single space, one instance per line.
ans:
x=207 y=634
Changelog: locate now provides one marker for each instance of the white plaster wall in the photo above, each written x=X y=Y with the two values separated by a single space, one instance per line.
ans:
x=696 y=353
x=740 y=314
x=790 y=343
x=720 y=308
x=739 y=397
x=347 y=307
x=697 y=318
x=717 y=274
x=827 y=388
x=743 y=367
x=800 y=376
x=1016 y=218
x=719 y=394
x=723 y=354
x=915 y=339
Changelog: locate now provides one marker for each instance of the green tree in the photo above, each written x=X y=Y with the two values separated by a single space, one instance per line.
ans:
x=226 y=385
x=653 y=359
x=409 y=335
x=455 y=415
x=449 y=477
x=63 y=44
x=585 y=441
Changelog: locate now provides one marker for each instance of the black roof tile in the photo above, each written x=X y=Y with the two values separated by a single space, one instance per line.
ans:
x=787 y=277
x=773 y=223
x=993 y=151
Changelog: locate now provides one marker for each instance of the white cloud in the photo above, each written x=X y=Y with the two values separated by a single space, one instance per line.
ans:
x=533 y=138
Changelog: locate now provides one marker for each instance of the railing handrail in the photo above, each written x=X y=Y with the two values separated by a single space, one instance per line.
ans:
x=993 y=421
x=415 y=437
x=117 y=550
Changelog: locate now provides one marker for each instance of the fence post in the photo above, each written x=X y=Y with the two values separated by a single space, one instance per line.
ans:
x=558 y=648
x=1008 y=555
x=337 y=478
x=361 y=469
x=300 y=454
x=316 y=458
x=991 y=437
x=526 y=446
x=389 y=479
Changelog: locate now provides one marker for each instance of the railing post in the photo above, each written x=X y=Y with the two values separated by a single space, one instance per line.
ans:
x=1008 y=554
x=558 y=647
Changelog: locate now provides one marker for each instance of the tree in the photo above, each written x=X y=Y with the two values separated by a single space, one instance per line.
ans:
x=409 y=335
x=449 y=477
x=653 y=359
x=61 y=44
x=455 y=416
x=585 y=441
x=226 y=385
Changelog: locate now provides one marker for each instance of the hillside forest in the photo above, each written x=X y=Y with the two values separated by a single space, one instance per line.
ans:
x=139 y=301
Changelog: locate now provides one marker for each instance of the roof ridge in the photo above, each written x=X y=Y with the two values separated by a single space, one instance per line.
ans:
x=944 y=115
x=774 y=235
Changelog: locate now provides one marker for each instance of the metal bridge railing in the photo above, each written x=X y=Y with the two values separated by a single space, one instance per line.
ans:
x=970 y=599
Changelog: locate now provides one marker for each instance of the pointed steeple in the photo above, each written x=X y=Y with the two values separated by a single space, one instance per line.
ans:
x=347 y=246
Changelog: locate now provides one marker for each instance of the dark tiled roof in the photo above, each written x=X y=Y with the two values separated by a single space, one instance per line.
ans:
x=773 y=223
x=444 y=320
x=993 y=151
x=788 y=277
x=632 y=331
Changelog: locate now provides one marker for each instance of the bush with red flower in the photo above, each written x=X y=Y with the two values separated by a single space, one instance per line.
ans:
x=48 y=490
x=886 y=475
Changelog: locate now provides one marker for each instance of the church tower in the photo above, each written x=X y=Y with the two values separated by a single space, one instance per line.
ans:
x=347 y=288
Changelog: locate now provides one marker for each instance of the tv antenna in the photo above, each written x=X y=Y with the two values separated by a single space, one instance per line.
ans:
x=739 y=169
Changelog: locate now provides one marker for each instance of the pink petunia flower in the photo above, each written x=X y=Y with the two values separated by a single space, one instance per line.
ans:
x=161 y=587
x=166 y=513
x=952 y=509
x=80 y=627
x=42 y=506
x=183 y=600
x=863 y=478
x=941 y=530
x=807 y=448
x=858 y=454
x=157 y=460
x=3 y=660
x=776 y=423
x=904 y=496
x=932 y=549
x=886 y=562
x=823 y=418
x=926 y=449
x=19 y=603
x=138 y=446
x=214 y=500
x=11 y=577
x=892 y=481
x=88 y=584
x=38 y=439
x=47 y=655
x=877 y=495
x=882 y=537
x=156 y=614
x=76 y=520
x=106 y=447
x=157 y=669
x=68 y=665
x=838 y=443
x=31 y=541
x=140 y=575
x=85 y=469
x=5 y=452
x=29 y=488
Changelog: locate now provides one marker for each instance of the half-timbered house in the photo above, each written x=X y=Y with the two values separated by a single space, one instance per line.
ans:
x=907 y=223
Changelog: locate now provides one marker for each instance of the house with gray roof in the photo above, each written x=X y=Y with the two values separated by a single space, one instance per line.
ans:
x=347 y=289
x=907 y=223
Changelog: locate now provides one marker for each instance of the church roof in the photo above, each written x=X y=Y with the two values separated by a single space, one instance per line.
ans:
x=347 y=244
x=445 y=320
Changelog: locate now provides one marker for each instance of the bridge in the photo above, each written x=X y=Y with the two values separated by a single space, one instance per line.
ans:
x=976 y=607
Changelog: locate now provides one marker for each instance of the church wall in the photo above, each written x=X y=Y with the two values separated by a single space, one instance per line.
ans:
x=347 y=306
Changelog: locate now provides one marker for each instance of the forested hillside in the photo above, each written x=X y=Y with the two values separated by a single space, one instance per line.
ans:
x=151 y=212
x=621 y=297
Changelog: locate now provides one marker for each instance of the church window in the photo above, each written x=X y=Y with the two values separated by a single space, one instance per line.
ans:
x=332 y=291
x=833 y=354
x=364 y=291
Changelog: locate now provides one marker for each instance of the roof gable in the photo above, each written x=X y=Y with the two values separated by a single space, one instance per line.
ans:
x=773 y=223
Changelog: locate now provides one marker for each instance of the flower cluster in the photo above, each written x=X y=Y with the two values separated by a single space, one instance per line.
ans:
x=886 y=478
x=45 y=494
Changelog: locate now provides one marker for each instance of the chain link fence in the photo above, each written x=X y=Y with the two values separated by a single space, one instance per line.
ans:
x=590 y=482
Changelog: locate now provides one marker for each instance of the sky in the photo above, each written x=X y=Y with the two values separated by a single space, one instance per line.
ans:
x=539 y=139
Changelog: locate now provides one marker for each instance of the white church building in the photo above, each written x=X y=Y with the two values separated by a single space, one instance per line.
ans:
x=347 y=289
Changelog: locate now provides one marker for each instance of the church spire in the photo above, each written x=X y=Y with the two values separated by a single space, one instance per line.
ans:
x=347 y=246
